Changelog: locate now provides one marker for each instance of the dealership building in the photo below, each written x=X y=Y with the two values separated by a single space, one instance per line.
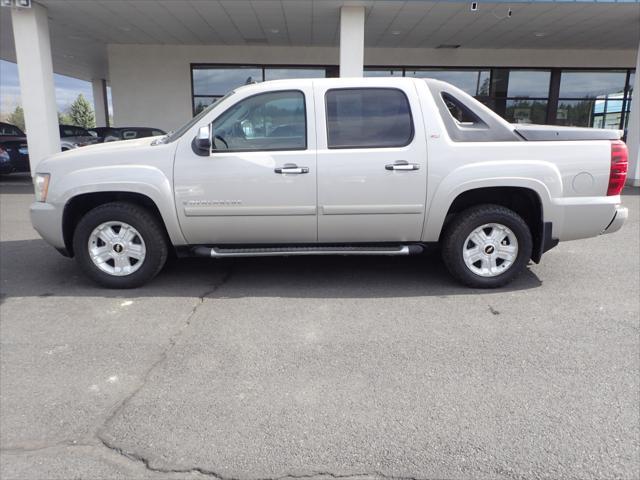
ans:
x=552 y=62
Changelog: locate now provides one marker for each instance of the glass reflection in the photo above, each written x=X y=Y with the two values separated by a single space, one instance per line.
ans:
x=584 y=84
x=526 y=111
x=528 y=83
x=284 y=73
x=200 y=103
x=218 y=81
x=473 y=82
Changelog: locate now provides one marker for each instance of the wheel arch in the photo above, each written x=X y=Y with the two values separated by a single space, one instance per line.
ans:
x=77 y=206
x=526 y=201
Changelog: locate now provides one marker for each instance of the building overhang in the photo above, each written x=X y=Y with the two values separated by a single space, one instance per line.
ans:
x=82 y=30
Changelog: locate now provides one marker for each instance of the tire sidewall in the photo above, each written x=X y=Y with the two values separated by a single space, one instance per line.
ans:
x=468 y=222
x=138 y=218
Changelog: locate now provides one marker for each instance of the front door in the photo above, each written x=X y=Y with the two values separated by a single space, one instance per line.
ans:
x=372 y=163
x=258 y=185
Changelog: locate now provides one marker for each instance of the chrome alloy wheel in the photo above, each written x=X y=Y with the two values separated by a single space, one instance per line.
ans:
x=116 y=248
x=490 y=250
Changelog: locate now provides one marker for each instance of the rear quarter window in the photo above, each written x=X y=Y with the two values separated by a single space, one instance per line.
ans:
x=368 y=118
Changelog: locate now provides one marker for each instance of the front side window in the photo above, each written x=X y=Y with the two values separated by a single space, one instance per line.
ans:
x=267 y=121
x=368 y=118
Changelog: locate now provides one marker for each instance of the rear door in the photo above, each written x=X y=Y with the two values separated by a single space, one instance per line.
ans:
x=372 y=161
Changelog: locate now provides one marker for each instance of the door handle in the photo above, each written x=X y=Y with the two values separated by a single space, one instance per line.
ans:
x=291 y=168
x=402 y=165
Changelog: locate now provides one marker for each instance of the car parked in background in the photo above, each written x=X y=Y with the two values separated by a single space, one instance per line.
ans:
x=14 y=154
x=73 y=137
x=111 y=134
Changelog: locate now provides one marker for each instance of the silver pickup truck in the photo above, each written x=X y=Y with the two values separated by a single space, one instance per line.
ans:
x=360 y=166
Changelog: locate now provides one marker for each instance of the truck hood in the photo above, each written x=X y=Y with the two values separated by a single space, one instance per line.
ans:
x=121 y=152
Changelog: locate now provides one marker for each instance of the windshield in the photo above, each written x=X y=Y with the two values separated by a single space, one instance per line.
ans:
x=174 y=135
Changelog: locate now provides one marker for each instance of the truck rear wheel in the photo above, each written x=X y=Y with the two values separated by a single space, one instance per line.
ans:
x=120 y=245
x=486 y=246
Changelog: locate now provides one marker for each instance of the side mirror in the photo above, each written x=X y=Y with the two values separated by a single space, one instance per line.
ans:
x=202 y=142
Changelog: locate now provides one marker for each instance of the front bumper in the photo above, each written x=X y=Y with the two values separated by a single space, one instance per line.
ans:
x=47 y=220
x=619 y=217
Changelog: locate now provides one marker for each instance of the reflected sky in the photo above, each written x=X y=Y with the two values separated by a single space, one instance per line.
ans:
x=591 y=84
x=469 y=81
x=219 y=81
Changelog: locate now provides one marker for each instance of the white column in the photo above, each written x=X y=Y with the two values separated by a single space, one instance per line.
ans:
x=351 y=41
x=100 y=102
x=633 y=130
x=35 y=70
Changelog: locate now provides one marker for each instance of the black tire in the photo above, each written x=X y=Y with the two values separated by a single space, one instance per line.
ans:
x=147 y=225
x=464 y=223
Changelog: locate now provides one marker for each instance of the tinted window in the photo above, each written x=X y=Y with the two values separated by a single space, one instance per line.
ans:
x=459 y=111
x=71 y=131
x=7 y=130
x=368 y=118
x=268 y=121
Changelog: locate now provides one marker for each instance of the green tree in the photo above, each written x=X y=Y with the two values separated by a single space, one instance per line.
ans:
x=63 y=118
x=17 y=118
x=81 y=113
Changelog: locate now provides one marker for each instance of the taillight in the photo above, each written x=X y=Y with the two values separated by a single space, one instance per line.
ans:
x=619 y=165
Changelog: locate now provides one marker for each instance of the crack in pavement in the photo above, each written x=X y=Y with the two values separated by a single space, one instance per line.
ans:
x=289 y=476
x=145 y=462
x=120 y=405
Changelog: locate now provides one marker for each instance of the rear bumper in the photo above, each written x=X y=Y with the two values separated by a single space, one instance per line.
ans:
x=619 y=217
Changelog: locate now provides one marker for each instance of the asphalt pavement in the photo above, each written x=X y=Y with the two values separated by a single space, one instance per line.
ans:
x=319 y=367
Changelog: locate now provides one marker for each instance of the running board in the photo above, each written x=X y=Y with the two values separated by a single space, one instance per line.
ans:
x=393 y=250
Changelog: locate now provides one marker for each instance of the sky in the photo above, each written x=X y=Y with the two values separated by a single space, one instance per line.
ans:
x=67 y=89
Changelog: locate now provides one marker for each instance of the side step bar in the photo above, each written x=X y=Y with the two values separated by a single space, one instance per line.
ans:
x=394 y=250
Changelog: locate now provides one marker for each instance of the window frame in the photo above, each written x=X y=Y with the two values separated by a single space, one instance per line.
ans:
x=326 y=118
x=246 y=150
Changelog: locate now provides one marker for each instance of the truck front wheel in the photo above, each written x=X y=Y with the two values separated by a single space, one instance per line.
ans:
x=486 y=246
x=120 y=245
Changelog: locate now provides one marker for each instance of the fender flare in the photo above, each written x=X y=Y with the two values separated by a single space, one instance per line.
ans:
x=472 y=177
x=143 y=180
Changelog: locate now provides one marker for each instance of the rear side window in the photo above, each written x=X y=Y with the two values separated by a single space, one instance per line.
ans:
x=460 y=112
x=368 y=118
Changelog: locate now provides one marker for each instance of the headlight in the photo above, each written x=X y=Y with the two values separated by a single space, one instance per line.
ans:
x=41 y=184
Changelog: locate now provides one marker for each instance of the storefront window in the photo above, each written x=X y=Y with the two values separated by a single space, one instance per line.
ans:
x=375 y=72
x=526 y=111
x=587 y=98
x=283 y=73
x=473 y=82
x=583 y=84
x=591 y=98
x=211 y=82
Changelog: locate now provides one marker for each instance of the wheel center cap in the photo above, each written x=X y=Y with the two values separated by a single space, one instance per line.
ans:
x=118 y=248
x=489 y=249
